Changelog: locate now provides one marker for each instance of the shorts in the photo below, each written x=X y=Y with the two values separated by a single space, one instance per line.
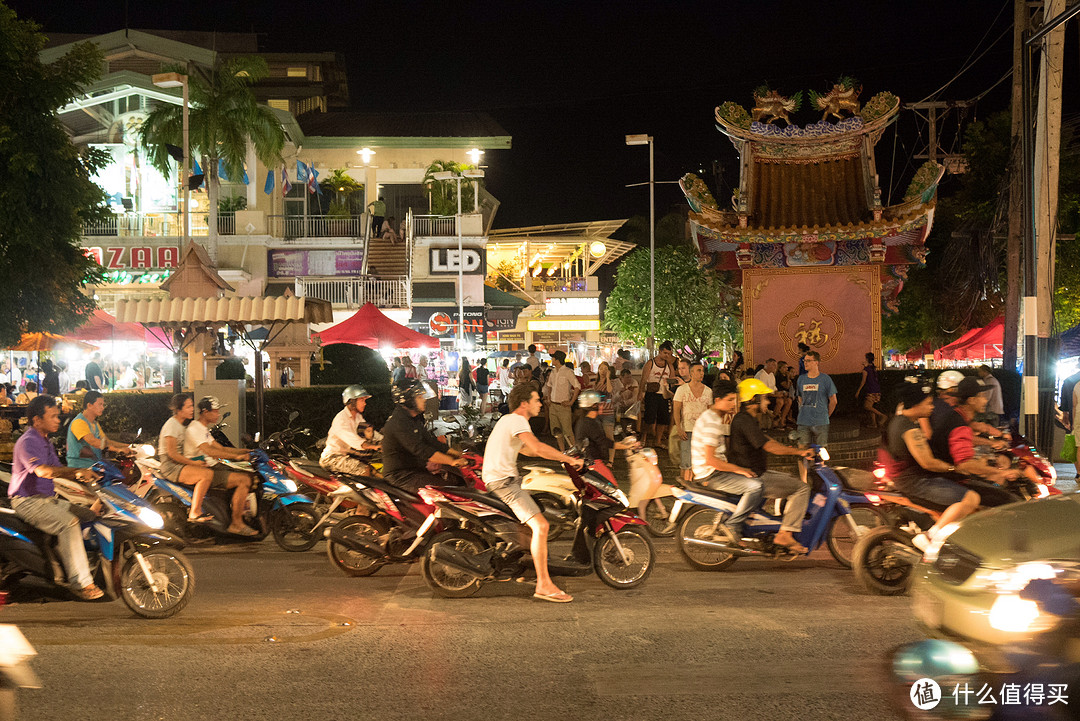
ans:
x=656 y=409
x=813 y=434
x=934 y=490
x=170 y=471
x=344 y=463
x=561 y=420
x=684 y=453
x=510 y=492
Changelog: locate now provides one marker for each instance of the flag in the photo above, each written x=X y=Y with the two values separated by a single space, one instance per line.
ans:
x=175 y=152
x=269 y=187
x=197 y=177
x=286 y=186
x=301 y=172
x=221 y=170
x=313 y=182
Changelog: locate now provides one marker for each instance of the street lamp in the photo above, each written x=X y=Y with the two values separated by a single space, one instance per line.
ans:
x=179 y=80
x=648 y=140
x=469 y=173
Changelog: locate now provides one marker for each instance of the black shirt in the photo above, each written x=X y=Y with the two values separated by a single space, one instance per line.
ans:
x=407 y=444
x=943 y=421
x=94 y=370
x=592 y=429
x=746 y=445
x=904 y=464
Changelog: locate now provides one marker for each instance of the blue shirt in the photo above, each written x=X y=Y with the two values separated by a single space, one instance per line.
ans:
x=814 y=394
x=31 y=450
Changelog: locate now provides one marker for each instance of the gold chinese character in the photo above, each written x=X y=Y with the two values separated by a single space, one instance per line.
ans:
x=811 y=336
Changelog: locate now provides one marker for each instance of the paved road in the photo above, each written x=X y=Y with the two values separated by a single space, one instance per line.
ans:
x=286 y=636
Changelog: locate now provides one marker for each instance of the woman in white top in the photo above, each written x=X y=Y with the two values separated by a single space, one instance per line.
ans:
x=177 y=467
x=691 y=400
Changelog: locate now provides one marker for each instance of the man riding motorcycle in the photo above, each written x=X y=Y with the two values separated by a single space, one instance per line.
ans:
x=408 y=446
x=985 y=434
x=199 y=445
x=343 y=440
x=589 y=428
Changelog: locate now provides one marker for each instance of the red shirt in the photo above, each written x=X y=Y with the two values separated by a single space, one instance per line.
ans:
x=962 y=439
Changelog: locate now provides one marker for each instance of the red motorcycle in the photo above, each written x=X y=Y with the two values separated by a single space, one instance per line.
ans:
x=490 y=544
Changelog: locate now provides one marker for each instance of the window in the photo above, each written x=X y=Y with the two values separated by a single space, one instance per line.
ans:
x=278 y=103
x=297 y=73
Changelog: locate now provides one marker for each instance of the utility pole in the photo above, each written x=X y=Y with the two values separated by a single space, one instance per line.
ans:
x=1021 y=23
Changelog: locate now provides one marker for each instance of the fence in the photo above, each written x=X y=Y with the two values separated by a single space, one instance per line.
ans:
x=431 y=226
x=389 y=292
x=291 y=227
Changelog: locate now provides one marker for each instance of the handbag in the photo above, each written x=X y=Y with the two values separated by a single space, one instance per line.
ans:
x=634 y=411
x=1068 y=449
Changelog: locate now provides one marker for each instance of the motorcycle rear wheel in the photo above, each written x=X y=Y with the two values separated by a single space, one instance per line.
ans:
x=840 y=539
x=354 y=563
x=292 y=527
x=168 y=567
x=698 y=524
x=608 y=562
x=444 y=580
x=881 y=567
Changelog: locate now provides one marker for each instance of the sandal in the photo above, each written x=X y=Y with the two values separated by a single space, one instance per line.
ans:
x=88 y=593
x=245 y=531
x=794 y=547
x=202 y=518
x=557 y=597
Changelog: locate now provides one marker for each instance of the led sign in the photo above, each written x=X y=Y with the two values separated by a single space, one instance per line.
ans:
x=561 y=325
x=572 y=306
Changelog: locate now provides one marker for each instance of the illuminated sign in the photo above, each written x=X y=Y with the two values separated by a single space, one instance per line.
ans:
x=572 y=306
x=135 y=257
x=123 y=277
x=442 y=322
x=561 y=325
x=449 y=260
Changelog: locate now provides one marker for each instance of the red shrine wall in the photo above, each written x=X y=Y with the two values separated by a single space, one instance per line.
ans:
x=836 y=311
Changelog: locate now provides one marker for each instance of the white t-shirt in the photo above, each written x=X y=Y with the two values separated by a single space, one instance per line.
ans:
x=768 y=379
x=532 y=361
x=501 y=452
x=172 y=429
x=710 y=430
x=196 y=435
x=692 y=408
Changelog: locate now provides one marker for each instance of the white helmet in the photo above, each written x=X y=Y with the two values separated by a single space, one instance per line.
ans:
x=353 y=392
x=588 y=399
x=949 y=379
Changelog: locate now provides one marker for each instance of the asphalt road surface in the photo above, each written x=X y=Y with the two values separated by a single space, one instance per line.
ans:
x=275 y=635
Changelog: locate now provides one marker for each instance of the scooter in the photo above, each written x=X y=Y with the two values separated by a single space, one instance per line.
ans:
x=274 y=506
x=130 y=556
x=554 y=492
x=490 y=544
x=830 y=520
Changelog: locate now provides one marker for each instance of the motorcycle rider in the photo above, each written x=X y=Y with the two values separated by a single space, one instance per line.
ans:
x=34 y=465
x=914 y=469
x=589 y=431
x=199 y=445
x=510 y=436
x=947 y=400
x=409 y=447
x=343 y=440
x=86 y=443
x=748 y=447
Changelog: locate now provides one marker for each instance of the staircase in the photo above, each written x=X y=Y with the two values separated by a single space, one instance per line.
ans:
x=386 y=259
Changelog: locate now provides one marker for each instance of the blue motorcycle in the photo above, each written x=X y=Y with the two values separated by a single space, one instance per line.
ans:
x=130 y=556
x=274 y=506
x=838 y=515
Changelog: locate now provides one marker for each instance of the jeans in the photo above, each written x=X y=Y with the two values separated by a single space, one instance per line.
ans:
x=52 y=516
x=813 y=434
x=749 y=488
x=780 y=485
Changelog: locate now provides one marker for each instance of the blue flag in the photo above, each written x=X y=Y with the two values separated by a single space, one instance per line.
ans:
x=301 y=172
x=269 y=187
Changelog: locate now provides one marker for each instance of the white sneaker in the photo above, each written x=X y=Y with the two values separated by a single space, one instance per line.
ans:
x=921 y=542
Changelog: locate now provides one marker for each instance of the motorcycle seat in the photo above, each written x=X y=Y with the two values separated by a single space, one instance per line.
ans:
x=385 y=486
x=9 y=520
x=482 y=497
x=312 y=469
x=722 y=495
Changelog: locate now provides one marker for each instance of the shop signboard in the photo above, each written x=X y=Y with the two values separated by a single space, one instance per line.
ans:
x=500 y=319
x=441 y=322
x=143 y=257
x=287 y=263
x=446 y=261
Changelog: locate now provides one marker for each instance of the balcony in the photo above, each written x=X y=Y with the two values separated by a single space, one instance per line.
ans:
x=444 y=226
x=156 y=225
x=314 y=227
x=384 y=292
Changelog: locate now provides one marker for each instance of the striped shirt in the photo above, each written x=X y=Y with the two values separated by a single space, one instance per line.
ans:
x=709 y=430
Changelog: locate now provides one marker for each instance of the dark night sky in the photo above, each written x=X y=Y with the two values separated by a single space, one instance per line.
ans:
x=569 y=79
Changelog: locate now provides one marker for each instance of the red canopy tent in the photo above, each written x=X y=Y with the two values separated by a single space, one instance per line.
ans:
x=917 y=354
x=939 y=354
x=369 y=327
x=104 y=327
x=987 y=343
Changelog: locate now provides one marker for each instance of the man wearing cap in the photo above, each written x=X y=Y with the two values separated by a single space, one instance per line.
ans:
x=913 y=468
x=199 y=445
x=945 y=403
x=343 y=440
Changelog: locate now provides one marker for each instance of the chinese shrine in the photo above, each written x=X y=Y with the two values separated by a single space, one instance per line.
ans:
x=817 y=254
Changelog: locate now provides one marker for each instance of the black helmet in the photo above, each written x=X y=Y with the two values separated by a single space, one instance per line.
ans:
x=404 y=394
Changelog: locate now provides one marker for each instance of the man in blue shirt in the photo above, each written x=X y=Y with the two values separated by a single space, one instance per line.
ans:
x=817 y=401
x=34 y=465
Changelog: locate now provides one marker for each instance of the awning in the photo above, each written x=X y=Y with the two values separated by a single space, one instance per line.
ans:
x=48 y=341
x=177 y=312
x=939 y=354
x=986 y=343
x=369 y=327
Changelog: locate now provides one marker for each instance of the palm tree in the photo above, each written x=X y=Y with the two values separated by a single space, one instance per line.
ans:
x=224 y=116
x=442 y=194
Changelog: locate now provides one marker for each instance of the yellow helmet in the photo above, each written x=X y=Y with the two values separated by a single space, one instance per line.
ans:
x=752 y=387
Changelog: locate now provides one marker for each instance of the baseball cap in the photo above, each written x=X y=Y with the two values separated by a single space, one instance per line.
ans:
x=969 y=387
x=209 y=403
x=912 y=394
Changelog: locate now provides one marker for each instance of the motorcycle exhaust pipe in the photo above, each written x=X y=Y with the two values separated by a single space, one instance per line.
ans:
x=367 y=548
x=723 y=547
x=459 y=562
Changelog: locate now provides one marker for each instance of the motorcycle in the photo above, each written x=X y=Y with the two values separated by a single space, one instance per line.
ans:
x=281 y=445
x=396 y=528
x=555 y=492
x=274 y=506
x=490 y=544
x=130 y=556
x=838 y=514
x=15 y=672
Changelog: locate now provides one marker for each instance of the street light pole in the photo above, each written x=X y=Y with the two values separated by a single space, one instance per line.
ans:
x=471 y=174
x=648 y=140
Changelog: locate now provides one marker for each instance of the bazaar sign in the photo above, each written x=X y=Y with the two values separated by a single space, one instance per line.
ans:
x=142 y=257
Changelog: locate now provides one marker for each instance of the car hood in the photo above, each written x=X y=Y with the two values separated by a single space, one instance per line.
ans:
x=1046 y=529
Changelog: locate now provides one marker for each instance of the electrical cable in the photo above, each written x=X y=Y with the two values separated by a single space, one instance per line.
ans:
x=969 y=63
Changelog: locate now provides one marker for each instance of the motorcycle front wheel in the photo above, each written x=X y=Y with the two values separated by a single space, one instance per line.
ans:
x=292 y=526
x=173 y=576
x=841 y=539
x=444 y=580
x=883 y=561
x=657 y=514
x=700 y=525
x=619 y=572
x=361 y=528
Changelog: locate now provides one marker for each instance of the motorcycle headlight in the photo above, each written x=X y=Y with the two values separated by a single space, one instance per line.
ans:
x=151 y=518
x=290 y=485
x=619 y=496
x=823 y=453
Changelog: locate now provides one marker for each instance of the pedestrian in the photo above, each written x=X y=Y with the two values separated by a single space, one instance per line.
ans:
x=410 y=369
x=388 y=232
x=995 y=408
x=50 y=378
x=767 y=375
x=95 y=376
x=397 y=372
x=561 y=390
x=29 y=393
x=377 y=210
x=691 y=400
x=587 y=377
x=735 y=366
x=518 y=363
x=503 y=377
x=483 y=383
x=466 y=386
x=783 y=395
x=655 y=394
x=1068 y=403
x=817 y=401
x=870 y=391
x=803 y=350
x=532 y=360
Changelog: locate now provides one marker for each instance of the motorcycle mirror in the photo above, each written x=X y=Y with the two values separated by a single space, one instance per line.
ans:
x=293 y=416
x=226 y=414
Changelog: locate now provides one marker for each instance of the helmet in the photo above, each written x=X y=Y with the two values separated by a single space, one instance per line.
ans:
x=588 y=399
x=752 y=387
x=353 y=392
x=404 y=394
x=949 y=379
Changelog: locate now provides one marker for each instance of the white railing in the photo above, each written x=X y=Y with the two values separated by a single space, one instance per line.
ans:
x=392 y=292
x=154 y=225
x=432 y=226
x=294 y=227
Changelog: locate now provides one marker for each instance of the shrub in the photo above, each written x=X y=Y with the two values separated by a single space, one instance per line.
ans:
x=347 y=364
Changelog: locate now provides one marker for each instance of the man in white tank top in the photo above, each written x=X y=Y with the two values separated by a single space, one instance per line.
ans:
x=655 y=395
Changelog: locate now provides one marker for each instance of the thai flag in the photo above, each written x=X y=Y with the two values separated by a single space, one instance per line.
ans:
x=286 y=186
x=313 y=182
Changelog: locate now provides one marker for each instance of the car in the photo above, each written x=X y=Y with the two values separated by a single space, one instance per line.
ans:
x=972 y=584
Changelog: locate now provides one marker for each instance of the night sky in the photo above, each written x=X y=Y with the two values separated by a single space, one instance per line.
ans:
x=569 y=79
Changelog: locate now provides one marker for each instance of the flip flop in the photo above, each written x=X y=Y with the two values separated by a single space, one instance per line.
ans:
x=204 y=518
x=559 y=597
x=247 y=531
x=797 y=548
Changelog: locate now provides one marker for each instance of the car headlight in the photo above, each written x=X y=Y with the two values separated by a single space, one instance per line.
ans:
x=1012 y=579
x=934 y=548
x=1013 y=614
x=151 y=518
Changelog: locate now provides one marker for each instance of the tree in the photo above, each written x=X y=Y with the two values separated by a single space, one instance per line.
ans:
x=345 y=190
x=694 y=307
x=223 y=118
x=442 y=194
x=48 y=191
